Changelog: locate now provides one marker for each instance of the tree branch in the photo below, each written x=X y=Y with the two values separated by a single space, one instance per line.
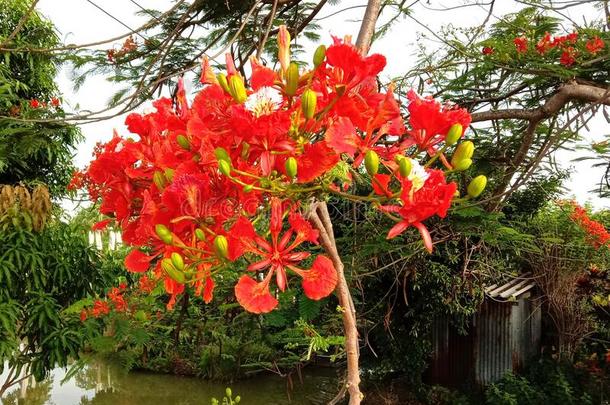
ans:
x=367 y=28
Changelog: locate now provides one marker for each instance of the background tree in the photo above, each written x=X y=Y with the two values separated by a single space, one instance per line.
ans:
x=32 y=152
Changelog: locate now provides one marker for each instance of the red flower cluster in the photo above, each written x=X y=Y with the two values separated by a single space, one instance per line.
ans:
x=487 y=50
x=103 y=307
x=597 y=234
x=35 y=103
x=595 y=45
x=128 y=46
x=521 y=44
x=197 y=186
x=565 y=43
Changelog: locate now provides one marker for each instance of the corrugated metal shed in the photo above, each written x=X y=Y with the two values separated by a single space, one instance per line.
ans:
x=501 y=337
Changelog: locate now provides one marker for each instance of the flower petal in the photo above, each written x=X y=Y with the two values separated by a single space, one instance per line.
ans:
x=320 y=281
x=253 y=296
x=397 y=229
x=137 y=262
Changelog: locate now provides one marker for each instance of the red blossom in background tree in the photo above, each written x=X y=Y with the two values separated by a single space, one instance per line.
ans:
x=594 y=45
x=568 y=56
x=487 y=50
x=597 y=234
x=521 y=44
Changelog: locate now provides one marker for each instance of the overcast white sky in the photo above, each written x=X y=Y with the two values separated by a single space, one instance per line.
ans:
x=78 y=21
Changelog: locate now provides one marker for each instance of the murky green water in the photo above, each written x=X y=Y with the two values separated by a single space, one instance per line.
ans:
x=103 y=385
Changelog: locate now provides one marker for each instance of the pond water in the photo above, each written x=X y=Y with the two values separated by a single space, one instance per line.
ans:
x=101 y=384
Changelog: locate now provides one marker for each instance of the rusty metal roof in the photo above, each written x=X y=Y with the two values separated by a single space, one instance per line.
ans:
x=512 y=289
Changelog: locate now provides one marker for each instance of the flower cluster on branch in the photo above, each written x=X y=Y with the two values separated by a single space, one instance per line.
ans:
x=226 y=178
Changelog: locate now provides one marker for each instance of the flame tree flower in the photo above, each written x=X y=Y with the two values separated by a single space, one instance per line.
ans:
x=229 y=175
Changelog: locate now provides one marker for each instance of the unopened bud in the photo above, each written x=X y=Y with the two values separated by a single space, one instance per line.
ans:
x=476 y=186
x=169 y=174
x=221 y=245
x=222 y=81
x=177 y=260
x=309 y=100
x=291 y=167
x=159 y=180
x=237 y=89
x=172 y=272
x=292 y=79
x=404 y=166
x=224 y=167
x=462 y=165
x=463 y=151
x=228 y=392
x=200 y=234
x=454 y=134
x=164 y=234
x=319 y=55
x=371 y=162
x=248 y=188
x=183 y=142
x=222 y=154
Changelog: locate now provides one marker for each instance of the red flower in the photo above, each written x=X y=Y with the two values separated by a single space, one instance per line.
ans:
x=279 y=256
x=100 y=308
x=520 y=44
x=595 y=45
x=430 y=121
x=545 y=44
x=116 y=296
x=146 y=285
x=55 y=102
x=487 y=50
x=83 y=315
x=34 y=103
x=418 y=204
x=597 y=235
x=568 y=56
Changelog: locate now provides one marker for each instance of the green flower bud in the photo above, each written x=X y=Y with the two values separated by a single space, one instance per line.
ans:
x=237 y=89
x=476 y=186
x=454 y=134
x=222 y=154
x=228 y=392
x=177 y=261
x=159 y=180
x=371 y=162
x=200 y=234
x=462 y=165
x=164 y=234
x=404 y=166
x=237 y=399
x=248 y=188
x=291 y=167
x=292 y=79
x=224 y=167
x=183 y=141
x=319 y=55
x=463 y=151
x=309 y=100
x=222 y=81
x=172 y=272
x=221 y=245
x=169 y=174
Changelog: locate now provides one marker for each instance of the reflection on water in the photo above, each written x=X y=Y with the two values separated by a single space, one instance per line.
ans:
x=100 y=384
